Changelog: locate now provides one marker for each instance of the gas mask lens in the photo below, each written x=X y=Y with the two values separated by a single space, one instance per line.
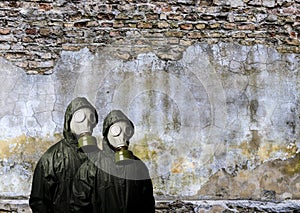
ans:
x=79 y=116
x=128 y=131
x=115 y=130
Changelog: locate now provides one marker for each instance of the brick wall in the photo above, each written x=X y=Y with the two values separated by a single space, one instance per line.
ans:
x=233 y=63
x=34 y=32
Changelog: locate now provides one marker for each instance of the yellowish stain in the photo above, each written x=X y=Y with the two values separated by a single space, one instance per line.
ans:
x=148 y=148
x=26 y=147
x=182 y=165
x=292 y=149
x=293 y=167
x=177 y=166
x=144 y=153
x=267 y=150
x=244 y=146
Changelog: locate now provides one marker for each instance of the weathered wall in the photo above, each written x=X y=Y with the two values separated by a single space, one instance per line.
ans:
x=198 y=118
x=212 y=87
x=34 y=32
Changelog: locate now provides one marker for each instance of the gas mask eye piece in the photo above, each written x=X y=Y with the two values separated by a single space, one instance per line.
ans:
x=93 y=118
x=128 y=131
x=115 y=130
x=79 y=116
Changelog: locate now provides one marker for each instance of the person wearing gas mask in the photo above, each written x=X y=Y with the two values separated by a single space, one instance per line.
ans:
x=55 y=170
x=114 y=180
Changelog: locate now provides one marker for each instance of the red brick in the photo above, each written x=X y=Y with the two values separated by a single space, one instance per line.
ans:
x=81 y=24
x=123 y=16
x=166 y=8
x=186 y=26
x=176 y=17
x=114 y=33
x=4 y=31
x=194 y=35
x=200 y=26
x=144 y=25
x=45 y=6
x=174 y=34
x=246 y=27
x=229 y=26
x=118 y=24
x=105 y=16
x=163 y=24
x=107 y=24
x=138 y=17
x=31 y=31
x=44 y=31
x=152 y=16
x=214 y=25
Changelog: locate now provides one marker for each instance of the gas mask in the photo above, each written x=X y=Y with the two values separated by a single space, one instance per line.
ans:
x=82 y=124
x=118 y=136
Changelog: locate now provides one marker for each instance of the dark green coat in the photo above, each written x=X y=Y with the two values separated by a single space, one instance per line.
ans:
x=102 y=186
x=56 y=168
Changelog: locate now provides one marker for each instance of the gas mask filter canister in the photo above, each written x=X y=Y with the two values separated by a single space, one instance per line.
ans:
x=118 y=137
x=82 y=124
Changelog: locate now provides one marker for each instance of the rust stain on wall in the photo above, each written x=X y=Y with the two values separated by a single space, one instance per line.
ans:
x=146 y=151
x=278 y=177
x=26 y=148
x=177 y=166
x=293 y=167
x=267 y=150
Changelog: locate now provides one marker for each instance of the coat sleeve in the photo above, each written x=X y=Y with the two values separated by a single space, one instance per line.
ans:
x=42 y=190
x=81 y=200
x=149 y=202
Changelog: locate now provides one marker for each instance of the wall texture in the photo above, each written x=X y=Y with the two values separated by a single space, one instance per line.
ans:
x=34 y=32
x=212 y=87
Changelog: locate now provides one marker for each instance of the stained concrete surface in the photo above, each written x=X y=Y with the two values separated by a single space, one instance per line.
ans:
x=220 y=112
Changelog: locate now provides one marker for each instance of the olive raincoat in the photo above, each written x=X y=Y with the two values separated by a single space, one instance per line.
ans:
x=56 y=168
x=102 y=186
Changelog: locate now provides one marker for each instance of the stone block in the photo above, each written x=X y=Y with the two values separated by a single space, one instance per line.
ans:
x=246 y=27
x=123 y=16
x=174 y=33
x=118 y=24
x=187 y=26
x=214 y=25
x=144 y=25
x=7 y=38
x=4 y=46
x=163 y=24
x=5 y=31
x=200 y=26
x=44 y=31
x=229 y=26
x=269 y=3
x=177 y=17
x=195 y=35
